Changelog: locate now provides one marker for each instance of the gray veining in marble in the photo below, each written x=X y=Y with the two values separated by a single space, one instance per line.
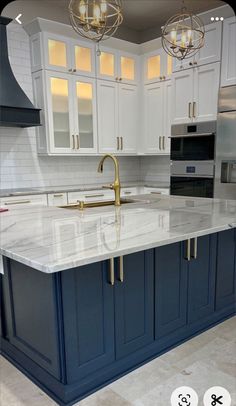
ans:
x=52 y=239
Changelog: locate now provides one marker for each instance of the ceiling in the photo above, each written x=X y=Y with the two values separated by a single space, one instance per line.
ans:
x=143 y=19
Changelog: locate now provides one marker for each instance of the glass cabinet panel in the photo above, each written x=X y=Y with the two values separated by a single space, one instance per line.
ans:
x=84 y=94
x=60 y=111
x=57 y=53
x=153 y=67
x=107 y=64
x=127 y=68
x=83 y=59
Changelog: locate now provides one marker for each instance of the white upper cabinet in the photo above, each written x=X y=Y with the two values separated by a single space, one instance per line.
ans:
x=157 y=66
x=107 y=102
x=117 y=66
x=205 y=93
x=157 y=117
x=228 y=64
x=182 y=96
x=117 y=117
x=62 y=54
x=128 y=118
x=195 y=94
x=68 y=113
x=209 y=53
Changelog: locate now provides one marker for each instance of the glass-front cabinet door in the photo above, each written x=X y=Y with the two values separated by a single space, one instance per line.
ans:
x=83 y=58
x=157 y=66
x=107 y=64
x=85 y=115
x=60 y=113
x=57 y=53
x=127 y=68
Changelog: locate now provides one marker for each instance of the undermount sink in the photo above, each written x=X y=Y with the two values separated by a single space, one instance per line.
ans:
x=81 y=205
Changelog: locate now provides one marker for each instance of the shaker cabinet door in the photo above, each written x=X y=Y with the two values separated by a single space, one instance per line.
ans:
x=134 y=310
x=182 y=97
x=206 y=87
x=228 y=64
x=154 y=117
x=170 y=289
x=88 y=319
x=128 y=118
x=107 y=104
x=226 y=269
x=201 y=283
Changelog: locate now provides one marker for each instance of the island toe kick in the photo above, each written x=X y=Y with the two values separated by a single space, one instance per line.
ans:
x=74 y=331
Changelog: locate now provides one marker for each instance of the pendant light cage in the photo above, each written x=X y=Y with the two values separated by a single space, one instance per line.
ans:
x=96 y=20
x=183 y=35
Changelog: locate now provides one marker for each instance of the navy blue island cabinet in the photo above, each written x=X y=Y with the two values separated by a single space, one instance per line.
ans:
x=75 y=331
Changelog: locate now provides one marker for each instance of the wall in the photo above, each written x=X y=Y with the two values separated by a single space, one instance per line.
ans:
x=20 y=166
x=155 y=169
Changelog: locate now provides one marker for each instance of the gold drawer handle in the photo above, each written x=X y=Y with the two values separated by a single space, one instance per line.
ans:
x=118 y=143
x=98 y=195
x=194 y=254
x=155 y=193
x=58 y=195
x=189 y=109
x=188 y=250
x=127 y=193
x=121 y=143
x=194 y=109
x=121 y=269
x=17 y=202
x=111 y=272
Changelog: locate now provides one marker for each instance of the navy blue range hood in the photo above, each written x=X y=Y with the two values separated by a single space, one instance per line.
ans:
x=16 y=110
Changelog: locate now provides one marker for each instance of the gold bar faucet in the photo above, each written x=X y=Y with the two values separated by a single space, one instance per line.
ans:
x=116 y=184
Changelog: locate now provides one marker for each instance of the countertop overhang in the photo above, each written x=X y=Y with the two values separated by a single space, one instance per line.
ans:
x=52 y=239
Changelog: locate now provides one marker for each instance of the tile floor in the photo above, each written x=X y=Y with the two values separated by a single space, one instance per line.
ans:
x=205 y=361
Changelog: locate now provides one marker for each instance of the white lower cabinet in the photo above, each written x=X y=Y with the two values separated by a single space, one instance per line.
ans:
x=117 y=117
x=57 y=199
x=228 y=62
x=195 y=94
x=157 y=117
x=90 y=196
x=26 y=200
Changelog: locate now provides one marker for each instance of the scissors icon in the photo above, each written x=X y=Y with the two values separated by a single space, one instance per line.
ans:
x=216 y=400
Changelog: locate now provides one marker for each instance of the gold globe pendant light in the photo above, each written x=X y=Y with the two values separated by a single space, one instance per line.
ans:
x=183 y=35
x=96 y=20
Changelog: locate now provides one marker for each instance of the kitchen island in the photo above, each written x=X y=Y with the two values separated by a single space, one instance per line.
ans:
x=89 y=295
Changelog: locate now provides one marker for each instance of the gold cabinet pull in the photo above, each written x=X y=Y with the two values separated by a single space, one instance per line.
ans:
x=189 y=109
x=121 y=143
x=163 y=143
x=78 y=143
x=121 y=269
x=111 y=272
x=188 y=250
x=73 y=141
x=118 y=143
x=159 y=143
x=194 y=109
x=194 y=254
x=58 y=195
x=17 y=202
x=97 y=195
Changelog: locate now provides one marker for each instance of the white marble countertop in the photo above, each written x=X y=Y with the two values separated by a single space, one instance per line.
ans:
x=74 y=188
x=52 y=239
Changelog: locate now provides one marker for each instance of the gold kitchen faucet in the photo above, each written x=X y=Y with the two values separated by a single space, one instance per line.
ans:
x=116 y=184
